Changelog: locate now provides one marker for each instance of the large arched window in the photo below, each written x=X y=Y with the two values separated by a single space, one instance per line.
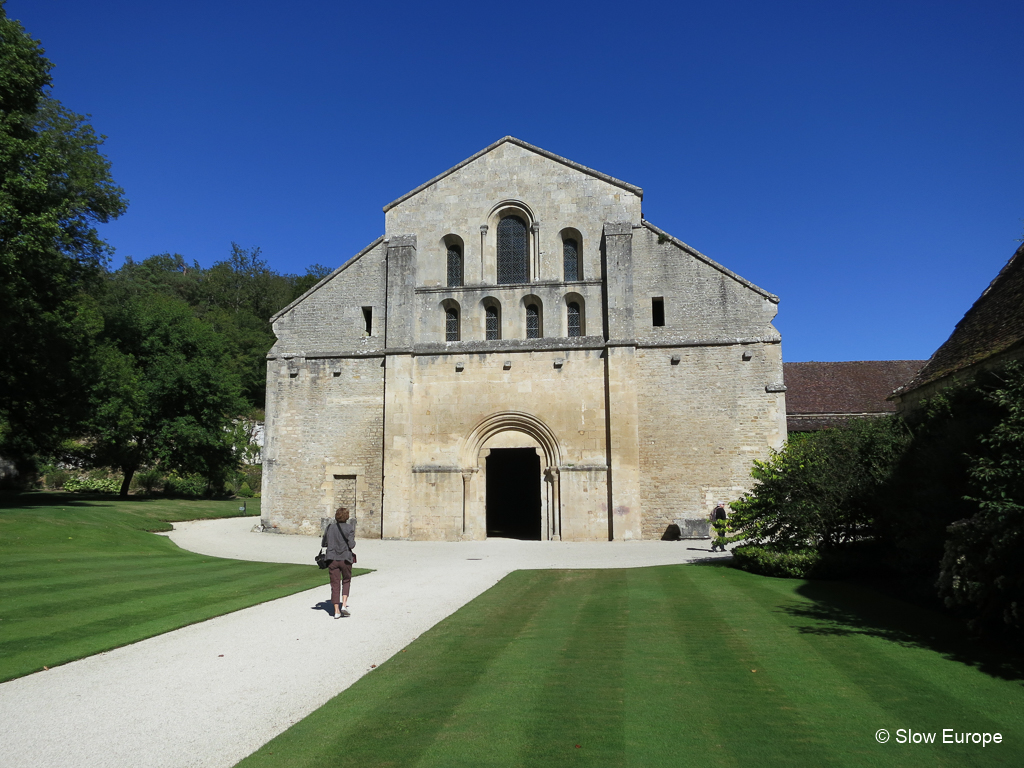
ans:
x=451 y=324
x=454 y=266
x=533 y=329
x=575 y=324
x=570 y=259
x=513 y=251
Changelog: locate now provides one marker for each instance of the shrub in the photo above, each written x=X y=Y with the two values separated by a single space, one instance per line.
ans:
x=794 y=564
x=148 y=479
x=982 y=571
x=245 y=491
x=821 y=489
x=93 y=485
x=56 y=478
x=188 y=486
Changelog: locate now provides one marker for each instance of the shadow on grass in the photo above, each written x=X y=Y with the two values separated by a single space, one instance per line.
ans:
x=36 y=499
x=845 y=609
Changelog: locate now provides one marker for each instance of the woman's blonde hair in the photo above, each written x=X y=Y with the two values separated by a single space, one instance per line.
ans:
x=341 y=515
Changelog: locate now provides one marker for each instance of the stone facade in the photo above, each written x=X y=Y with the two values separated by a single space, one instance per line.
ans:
x=443 y=400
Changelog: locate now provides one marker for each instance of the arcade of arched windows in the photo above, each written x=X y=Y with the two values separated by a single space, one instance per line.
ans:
x=529 y=324
x=509 y=253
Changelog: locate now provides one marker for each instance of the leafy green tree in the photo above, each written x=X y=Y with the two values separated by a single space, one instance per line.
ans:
x=55 y=186
x=821 y=489
x=982 y=569
x=165 y=394
x=237 y=296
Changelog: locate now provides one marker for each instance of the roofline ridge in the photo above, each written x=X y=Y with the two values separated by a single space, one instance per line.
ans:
x=638 y=191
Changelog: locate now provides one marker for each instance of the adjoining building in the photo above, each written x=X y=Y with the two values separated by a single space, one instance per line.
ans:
x=991 y=333
x=823 y=395
x=521 y=354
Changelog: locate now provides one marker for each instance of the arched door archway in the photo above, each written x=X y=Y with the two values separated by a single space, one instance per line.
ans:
x=511 y=478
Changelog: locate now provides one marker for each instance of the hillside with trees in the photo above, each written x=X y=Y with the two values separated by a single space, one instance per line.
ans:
x=152 y=365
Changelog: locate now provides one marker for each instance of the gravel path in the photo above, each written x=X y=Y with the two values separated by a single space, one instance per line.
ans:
x=212 y=693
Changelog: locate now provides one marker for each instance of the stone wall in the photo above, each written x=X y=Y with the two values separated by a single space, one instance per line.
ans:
x=715 y=366
x=324 y=433
x=636 y=425
x=511 y=179
x=451 y=396
x=703 y=420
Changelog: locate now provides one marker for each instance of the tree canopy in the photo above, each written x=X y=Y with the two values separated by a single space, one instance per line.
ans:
x=55 y=186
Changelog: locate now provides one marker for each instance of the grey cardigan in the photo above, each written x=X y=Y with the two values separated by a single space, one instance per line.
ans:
x=340 y=540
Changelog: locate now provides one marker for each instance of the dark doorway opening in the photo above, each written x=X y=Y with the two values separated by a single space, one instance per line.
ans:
x=513 y=493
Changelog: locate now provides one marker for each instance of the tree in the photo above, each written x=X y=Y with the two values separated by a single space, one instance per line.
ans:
x=165 y=393
x=55 y=186
x=982 y=570
x=821 y=489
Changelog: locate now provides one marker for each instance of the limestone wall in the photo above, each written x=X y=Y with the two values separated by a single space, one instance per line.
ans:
x=703 y=302
x=450 y=397
x=554 y=196
x=323 y=446
x=330 y=318
x=703 y=420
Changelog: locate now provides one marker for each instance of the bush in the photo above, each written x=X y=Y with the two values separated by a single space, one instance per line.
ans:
x=245 y=491
x=821 y=489
x=93 y=485
x=188 y=486
x=982 y=572
x=795 y=564
x=148 y=480
x=56 y=478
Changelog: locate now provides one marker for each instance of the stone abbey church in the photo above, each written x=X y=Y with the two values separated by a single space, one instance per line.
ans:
x=520 y=355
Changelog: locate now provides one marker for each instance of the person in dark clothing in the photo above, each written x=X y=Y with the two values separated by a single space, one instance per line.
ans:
x=340 y=540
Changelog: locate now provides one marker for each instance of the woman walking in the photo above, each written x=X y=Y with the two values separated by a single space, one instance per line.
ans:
x=340 y=540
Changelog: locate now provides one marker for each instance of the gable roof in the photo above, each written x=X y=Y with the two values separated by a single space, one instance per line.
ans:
x=992 y=326
x=820 y=395
x=518 y=142
x=328 y=279
x=663 y=235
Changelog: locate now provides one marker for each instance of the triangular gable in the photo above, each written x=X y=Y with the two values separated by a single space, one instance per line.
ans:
x=543 y=152
x=328 y=279
x=662 y=234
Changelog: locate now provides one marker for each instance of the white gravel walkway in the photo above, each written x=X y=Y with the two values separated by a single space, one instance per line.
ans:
x=212 y=693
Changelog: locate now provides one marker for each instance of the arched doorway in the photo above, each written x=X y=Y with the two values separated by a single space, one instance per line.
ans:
x=510 y=477
x=514 y=493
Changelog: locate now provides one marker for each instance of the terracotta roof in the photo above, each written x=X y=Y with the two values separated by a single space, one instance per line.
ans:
x=994 y=325
x=820 y=395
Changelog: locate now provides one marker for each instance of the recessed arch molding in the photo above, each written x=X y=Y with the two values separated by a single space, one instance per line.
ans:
x=504 y=421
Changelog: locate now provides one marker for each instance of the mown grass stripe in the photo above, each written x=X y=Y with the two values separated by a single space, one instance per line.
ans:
x=651 y=667
x=83 y=576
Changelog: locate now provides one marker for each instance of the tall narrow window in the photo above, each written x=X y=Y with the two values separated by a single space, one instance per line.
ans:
x=454 y=266
x=451 y=324
x=658 y=311
x=512 y=251
x=574 y=318
x=532 y=321
x=367 y=321
x=492 y=324
x=570 y=259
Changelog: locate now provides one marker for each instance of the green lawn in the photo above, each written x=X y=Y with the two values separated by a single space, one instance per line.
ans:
x=79 y=574
x=669 y=666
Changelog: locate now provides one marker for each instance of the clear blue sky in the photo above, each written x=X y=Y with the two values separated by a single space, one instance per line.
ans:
x=862 y=160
